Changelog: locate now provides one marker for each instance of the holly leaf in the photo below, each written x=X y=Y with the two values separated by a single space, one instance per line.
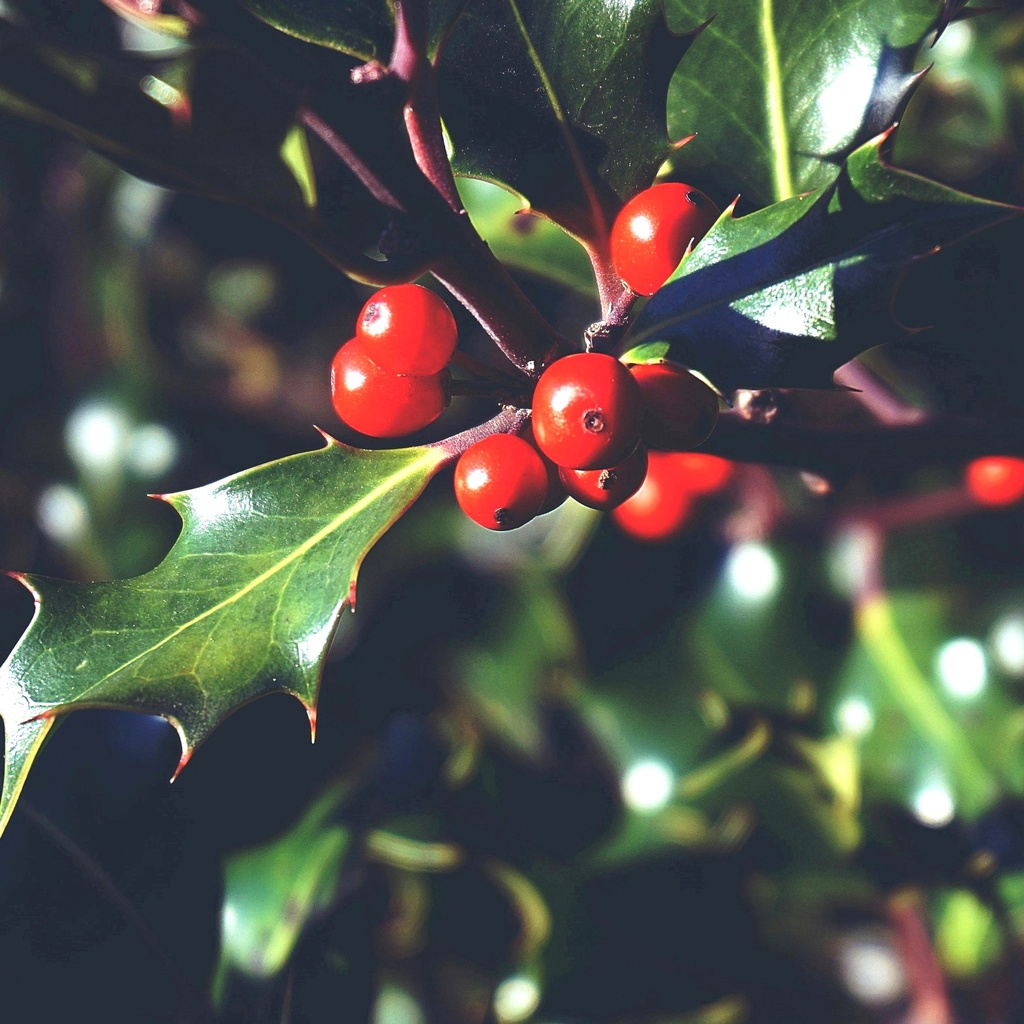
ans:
x=779 y=94
x=524 y=240
x=784 y=296
x=361 y=28
x=564 y=103
x=274 y=891
x=245 y=602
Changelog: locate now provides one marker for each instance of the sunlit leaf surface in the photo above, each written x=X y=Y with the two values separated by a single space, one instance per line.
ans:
x=245 y=602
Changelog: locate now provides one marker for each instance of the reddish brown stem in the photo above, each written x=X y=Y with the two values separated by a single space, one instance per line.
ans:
x=487 y=290
x=509 y=421
x=411 y=63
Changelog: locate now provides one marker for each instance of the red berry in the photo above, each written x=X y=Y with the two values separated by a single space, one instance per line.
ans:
x=996 y=479
x=703 y=474
x=652 y=231
x=556 y=493
x=501 y=482
x=379 y=403
x=607 y=488
x=661 y=507
x=406 y=328
x=587 y=411
x=680 y=410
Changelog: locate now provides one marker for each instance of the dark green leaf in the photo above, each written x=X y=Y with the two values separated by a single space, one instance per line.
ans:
x=525 y=657
x=272 y=892
x=524 y=240
x=785 y=296
x=778 y=93
x=361 y=28
x=562 y=102
x=932 y=747
x=245 y=602
x=177 y=125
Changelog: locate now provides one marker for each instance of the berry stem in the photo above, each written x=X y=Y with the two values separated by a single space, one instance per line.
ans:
x=485 y=370
x=509 y=421
x=487 y=290
x=602 y=336
x=501 y=392
x=428 y=207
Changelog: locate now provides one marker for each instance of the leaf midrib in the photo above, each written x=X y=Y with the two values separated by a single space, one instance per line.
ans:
x=778 y=130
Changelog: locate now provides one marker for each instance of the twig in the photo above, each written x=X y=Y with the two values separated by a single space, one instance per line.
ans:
x=509 y=421
x=410 y=63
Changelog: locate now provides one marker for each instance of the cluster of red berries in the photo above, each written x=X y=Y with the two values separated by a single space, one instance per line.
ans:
x=593 y=418
x=391 y=378
x=593 y=421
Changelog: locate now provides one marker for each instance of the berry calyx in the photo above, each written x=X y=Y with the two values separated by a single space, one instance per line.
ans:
x=606 y=489
x=652 y=231
x=996 y=479
x=406 y=328
x=587 y=411
x=501 y=482
x=661 y=506
x=379 y=403
x=680 y=410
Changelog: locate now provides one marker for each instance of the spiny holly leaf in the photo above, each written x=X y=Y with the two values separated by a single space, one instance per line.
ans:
x=245 y=603
x=778 y=93
x=562 y=102
x=785 y=296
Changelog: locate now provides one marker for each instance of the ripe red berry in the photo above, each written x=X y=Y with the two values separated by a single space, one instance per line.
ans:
x=651 y=233
x=379 y=403
x=586 y=411
x=661 y=507
x=607 y=488
x=501 y=482
x=703 y=474
x=996 y=479
x=406 y=328
x=680 y=410
x=556 y=493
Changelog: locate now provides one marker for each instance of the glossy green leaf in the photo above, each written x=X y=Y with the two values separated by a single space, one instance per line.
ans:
x=362 y=28
x=929 y=740
x=524 y=240
x=245 y=603
x=562 y=102
x=273 y=891
x=779 y=92
x=528 y=653
x=784 y=296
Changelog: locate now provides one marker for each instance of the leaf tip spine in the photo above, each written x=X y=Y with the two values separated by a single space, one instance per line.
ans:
x=187 y=750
